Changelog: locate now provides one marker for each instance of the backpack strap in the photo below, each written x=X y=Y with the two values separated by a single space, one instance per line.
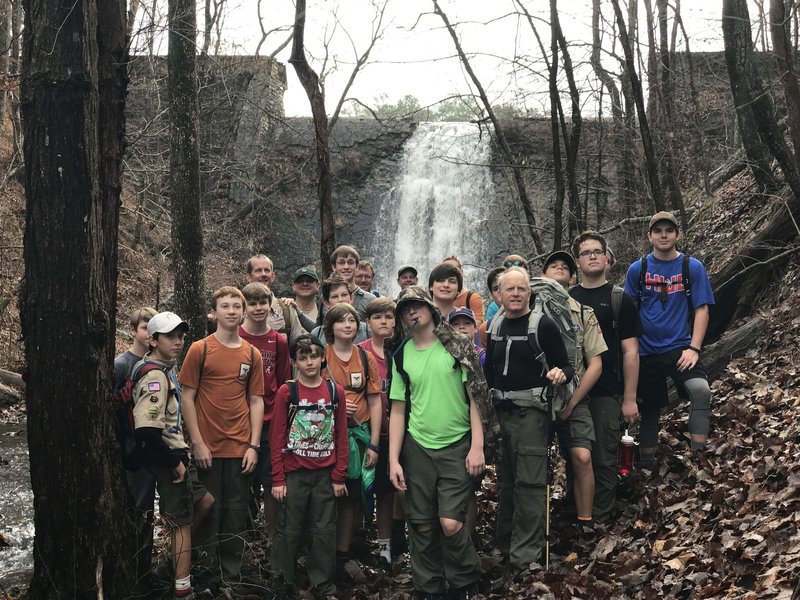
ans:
x=202 y=361
x=286 y=313
x=686 y=279
x=470 y=293
x=534 y=319
x=642 y=271
x=616 y=308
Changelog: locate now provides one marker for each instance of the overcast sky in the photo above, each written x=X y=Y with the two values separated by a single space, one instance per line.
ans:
x=416 y=55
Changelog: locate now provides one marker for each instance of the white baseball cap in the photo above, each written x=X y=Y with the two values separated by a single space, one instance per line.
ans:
x=165 y=322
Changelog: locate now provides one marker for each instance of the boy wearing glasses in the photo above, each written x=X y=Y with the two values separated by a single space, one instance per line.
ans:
x=344 y=262
x=614 y=393
x=674 y=322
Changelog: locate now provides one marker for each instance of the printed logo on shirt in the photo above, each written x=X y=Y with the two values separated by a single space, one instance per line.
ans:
x=356 y=380
x=244 y=371
x=673 y=285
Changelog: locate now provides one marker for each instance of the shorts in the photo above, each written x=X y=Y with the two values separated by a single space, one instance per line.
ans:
x=262 y=474
x=354 y=485
x=175 y=500
x=653 y=372
x=578 y=430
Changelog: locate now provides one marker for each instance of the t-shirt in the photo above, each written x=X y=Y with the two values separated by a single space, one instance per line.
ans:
x=524 y=370
x=123 y=366
x=439 y=403
x=610 y=381
x=274 y=351
x=313 y=445
x=351 y=376
x=475 y=303
x=382 y=372
x=665 y=325
x=222 y=406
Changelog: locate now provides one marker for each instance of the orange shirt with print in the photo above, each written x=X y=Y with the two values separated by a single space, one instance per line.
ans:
x=351 y=376
x=230 y=376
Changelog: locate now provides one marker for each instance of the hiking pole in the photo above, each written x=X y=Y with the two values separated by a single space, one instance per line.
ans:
x=549 y=396
x=405 y=338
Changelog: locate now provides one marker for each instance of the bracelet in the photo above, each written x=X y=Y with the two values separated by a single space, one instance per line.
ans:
x=254 y=447
x=695 y=349
x=373 y=447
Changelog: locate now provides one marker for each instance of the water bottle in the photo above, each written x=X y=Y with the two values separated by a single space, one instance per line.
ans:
x=625 y=454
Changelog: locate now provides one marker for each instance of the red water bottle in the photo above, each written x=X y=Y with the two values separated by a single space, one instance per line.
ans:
x=625 y=454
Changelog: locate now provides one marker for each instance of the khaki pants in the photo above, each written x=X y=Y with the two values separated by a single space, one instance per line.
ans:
x=522 y=480
x=438 y=486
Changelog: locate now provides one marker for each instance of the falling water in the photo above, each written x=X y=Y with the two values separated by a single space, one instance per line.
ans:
x=438 y=206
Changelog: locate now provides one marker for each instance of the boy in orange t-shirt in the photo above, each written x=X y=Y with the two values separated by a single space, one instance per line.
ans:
x=346 y=364
x=223 y=383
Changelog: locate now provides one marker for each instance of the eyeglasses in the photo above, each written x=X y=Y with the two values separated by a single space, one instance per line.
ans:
x=513 y=263
x=592 y=253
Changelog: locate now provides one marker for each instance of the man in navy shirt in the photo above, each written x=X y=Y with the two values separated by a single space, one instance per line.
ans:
x=674 y=316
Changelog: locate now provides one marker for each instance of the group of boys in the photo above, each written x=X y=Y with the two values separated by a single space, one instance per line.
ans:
x=412 y=396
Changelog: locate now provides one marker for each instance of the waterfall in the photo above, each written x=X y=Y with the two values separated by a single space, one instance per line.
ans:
x=438 y=206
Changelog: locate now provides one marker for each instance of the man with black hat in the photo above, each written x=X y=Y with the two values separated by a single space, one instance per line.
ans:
x=674 y=294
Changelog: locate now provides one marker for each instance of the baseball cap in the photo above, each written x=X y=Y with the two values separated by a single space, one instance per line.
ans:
x=663 y=216
x=305 y=272
x=165 y=322
x=561 y=255
x=461 y=311
x=405 y=268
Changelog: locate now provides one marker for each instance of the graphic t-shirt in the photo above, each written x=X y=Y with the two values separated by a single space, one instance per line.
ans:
x=222 y=406
x=274 y=351
x=439 y=404
x=381 y=362
x=610 y=381
x=664 y=309
x=310 y=436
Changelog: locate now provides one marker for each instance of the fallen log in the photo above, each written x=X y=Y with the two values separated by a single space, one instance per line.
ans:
x=9 y=396
x=12 y=379
x=726 y=172
x=716 y=356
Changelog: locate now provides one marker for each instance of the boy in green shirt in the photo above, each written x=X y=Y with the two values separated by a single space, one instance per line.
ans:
x=436 y=462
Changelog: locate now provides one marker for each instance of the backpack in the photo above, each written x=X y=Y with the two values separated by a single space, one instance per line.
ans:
x=203 y=364
x=616 y=308
x=122 y=402
x=299 y=432
x=685 y=280
x=551 y=299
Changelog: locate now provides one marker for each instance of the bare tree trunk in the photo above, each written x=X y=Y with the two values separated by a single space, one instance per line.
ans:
x=572 y=137
x=779 y=22
x=133 y=10
x=508 y=155
x=73 y=99
x=6 y=9
x=618 y=134
x=738 y=56
x=311 y=84
x=644 y=128
x=653 y=84
x=13 y=67
x=184 y=168
x=558 y=169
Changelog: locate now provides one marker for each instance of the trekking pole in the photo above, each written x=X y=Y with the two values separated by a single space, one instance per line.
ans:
x=405 y=338
x=549 y=396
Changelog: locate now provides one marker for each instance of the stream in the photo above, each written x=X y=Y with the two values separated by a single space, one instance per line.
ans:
x=16 y=507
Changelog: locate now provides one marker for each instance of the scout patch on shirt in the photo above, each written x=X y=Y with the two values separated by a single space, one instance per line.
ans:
x=152 y=412
x=244 y=370
x=593 y=322
x=153 y=386
x=356 y=380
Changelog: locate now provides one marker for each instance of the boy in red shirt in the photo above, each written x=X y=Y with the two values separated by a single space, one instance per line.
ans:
x=380 y=320
x=309 y=453
x=274 y=351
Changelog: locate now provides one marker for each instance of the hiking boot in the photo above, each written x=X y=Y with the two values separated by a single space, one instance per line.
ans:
x=399 y=544
x=342 y=576
x=463 y=593
x=428 y=596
